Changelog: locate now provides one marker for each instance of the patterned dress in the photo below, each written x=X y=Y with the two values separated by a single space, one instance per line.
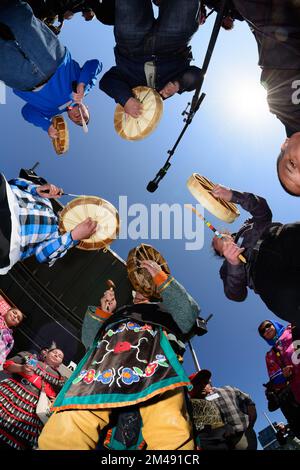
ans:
x=20 y=426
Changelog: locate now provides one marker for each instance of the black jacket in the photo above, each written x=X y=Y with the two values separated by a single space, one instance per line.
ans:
x=236 y=279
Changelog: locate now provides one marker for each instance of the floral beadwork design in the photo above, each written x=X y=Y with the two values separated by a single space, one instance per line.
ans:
x=130 y=375
x=107 y=377
x=121 y=347
x=129 y=326
x=126 y=375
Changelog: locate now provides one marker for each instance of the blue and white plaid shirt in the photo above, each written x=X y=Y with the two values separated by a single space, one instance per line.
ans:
x=39 y=225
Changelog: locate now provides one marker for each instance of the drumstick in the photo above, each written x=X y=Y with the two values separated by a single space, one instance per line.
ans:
x=64 y=194
x=84 y=126
x=110 y=284
x=141 y=101
x=211 y=227
x=72 y=195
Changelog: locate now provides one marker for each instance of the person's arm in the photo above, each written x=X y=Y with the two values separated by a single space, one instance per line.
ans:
x=252 y=413
x=54 y=248
x=17 y=365
x=234 y=281
x=89 y=74
x=256 y=205
x=246 y=401
x=35 y=117
x=189 y=79
x=115 y=85
x=57 y=245
x=92 y=322
x=177 y=301
x=25 y=185
x=96 y=316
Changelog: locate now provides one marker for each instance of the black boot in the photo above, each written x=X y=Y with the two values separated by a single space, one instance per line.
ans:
x=6 y=33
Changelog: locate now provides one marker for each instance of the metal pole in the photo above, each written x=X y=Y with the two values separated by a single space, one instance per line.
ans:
x=193 y=352
x=35 y=166
x=213 y=39
x=196 y=101
x=194 y=356
x=270 y=422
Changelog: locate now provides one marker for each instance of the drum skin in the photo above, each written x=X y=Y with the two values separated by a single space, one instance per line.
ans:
x=139 y=277
x=79 y=209
x=61 y=143
x=130 y=128
x=201 y=188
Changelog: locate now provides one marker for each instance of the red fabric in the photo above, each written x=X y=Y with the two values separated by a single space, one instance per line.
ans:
x=34 y=379
x=7 y=364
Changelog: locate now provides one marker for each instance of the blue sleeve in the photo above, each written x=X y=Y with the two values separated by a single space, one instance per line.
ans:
x=55 y=247
x=115 y=85
x=24 y=185
x=35 y=117
x=89 y=74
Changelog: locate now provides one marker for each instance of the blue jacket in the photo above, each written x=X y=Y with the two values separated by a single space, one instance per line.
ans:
x=56 y=95
x=129 y=73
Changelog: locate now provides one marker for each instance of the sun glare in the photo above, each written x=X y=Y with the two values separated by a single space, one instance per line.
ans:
x=248 y=99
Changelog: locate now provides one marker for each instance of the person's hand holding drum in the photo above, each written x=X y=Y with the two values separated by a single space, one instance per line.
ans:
x=52 y=132
x=84 y=230
x=133 y=107
x=222 y=192
x=152 y=267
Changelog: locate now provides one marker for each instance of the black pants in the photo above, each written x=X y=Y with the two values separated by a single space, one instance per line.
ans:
x=276 y=273
x=5 y=225
x=290 y=408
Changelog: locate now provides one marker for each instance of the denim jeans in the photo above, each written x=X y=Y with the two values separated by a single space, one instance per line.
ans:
x=137 y=32
x=34 y=55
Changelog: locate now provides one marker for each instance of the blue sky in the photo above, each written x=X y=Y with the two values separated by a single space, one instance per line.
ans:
x=233 y=140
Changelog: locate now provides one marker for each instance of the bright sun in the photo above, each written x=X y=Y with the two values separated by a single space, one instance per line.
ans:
x=247 y=99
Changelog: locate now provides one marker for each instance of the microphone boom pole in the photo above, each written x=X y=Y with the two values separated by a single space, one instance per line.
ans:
x=196 y=101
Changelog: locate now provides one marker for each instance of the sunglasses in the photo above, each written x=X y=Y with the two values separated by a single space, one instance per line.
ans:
x=265 y=328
